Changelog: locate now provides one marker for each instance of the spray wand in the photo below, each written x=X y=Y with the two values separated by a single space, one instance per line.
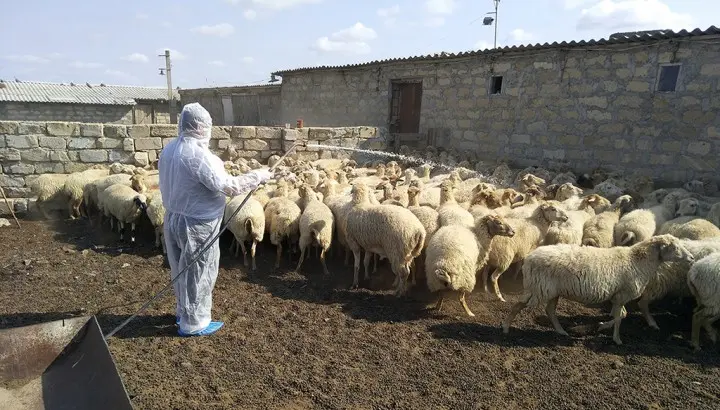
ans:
x=205 y=248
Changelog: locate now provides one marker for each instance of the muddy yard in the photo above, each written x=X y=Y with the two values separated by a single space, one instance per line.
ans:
x=301 y=340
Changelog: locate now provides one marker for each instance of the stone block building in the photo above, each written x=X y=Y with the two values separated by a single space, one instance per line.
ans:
x=110 y=104
x=646 y=102
x=242 y=105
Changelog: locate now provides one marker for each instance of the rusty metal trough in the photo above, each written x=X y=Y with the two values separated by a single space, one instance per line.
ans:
x=63 y=364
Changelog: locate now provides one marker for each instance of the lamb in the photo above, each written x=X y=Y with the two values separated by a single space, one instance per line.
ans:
x=156 y=214
x=455 y=253
x=91 y=192
x=671 y=279
x=450 y=212
x=529 y=233
x=598 y=230
x=571 y=231
x=569 y=195
x=640 y=224
x=704 y=283
x=339 y=205
x=282 y=216
x=126 y=205
x=75 y=184
x=690 y=227
x=49 y=191
x=387 y=230
x=248 y=224
x=315 y=225
x=573 y=272
x=530 y=181
x=428 y=217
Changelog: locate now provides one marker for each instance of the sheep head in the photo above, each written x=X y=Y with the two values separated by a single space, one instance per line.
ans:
x=687 y=206
x=141 y=202
x=567 y=191
x=668 y=249
x=551 y=191
x=413 y=192
x=510 y=196
x=380 y=170
x=497 y=226
x=594 y=201
x=360 y=193
x=426 y=168
x=530 y=180
x=307 y=192
x=137 y=182
x=552 y=213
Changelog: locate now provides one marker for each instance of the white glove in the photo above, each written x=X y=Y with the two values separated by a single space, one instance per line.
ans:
x=263 y=174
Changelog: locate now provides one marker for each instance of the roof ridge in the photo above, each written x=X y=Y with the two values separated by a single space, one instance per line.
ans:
x=82 y=84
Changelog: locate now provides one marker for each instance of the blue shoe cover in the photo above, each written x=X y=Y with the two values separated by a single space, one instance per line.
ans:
x=177 y=320
x=211 y=329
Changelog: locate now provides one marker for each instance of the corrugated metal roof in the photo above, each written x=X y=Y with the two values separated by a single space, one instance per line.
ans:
x=101 y=94
x=614 y=39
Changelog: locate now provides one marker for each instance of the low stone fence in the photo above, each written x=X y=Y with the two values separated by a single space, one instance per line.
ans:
x=28 y=149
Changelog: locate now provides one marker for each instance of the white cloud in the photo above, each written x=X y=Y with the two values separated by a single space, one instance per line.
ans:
x=174 y=54
x=248 y=60
x=632 y=15
x=435 y=21
x=219 y=30
x=356 y=32
x=26 y=58
x=440 y=6
x=389 y=11
x=521 y=36
x=166 y=24
x=141 y=16
x=217 y=63
x=82 y=64
x=352 y=40
x=275 y=4
x=250 y=14
x=136 y=58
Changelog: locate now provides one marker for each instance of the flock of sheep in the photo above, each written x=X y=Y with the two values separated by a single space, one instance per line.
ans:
x=588 y=239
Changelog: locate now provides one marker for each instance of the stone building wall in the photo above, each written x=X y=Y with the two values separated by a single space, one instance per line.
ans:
x=28 y=149
x=109 y=114
x=252 y=105
x=582 y=107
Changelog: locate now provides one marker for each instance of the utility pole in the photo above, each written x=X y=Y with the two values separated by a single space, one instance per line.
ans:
x=489 y=20
x=497 y=3
x=168 y=74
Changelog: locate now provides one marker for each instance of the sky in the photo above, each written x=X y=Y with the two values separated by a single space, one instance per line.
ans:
x=216 y=43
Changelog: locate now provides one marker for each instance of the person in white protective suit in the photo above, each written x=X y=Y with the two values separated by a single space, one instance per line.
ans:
x=193 y=185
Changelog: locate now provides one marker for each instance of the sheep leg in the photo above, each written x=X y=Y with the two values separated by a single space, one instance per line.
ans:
x=244 y=252
x=712 y=334
x=550 y=311
x=484 y=278
x=617 y=316
x=121 y=228
x=375 y=263
x=346 y=262
x=233 y=246
x=252 y=253
x=302 y=257
x=112 y=224
x=366 y=264
x=644 y=304
x=162 y=242
x=413 y=272
x=132 y=232
x=279 y=255
x=71 y=209
x=697 y=321
x=356 y=269
x=465 y=306
x=611 y=322
x=322 y=260
x=157 y=238
x=494 y=278
x=517 y=308
x=439 y=303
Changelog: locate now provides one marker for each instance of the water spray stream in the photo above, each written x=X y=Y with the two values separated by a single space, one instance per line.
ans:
x=401 y=157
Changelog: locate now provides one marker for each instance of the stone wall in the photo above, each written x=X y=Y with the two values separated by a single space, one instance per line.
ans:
x=110 y=114
x=251 y=105
x=28 y=149
x=581 y=107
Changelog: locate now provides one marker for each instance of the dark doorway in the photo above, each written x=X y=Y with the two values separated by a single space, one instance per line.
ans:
x=405 y=107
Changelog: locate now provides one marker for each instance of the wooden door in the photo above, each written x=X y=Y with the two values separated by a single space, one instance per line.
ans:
x=143 y=114
x=405 y=104
x=245 y=108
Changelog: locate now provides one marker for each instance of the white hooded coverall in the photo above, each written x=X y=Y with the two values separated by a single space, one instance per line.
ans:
x=193 y=184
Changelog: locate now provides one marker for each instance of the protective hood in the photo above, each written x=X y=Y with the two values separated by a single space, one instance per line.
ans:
x=195 y=122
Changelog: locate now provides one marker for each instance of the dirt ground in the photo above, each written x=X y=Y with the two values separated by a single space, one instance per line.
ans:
x=301 y=340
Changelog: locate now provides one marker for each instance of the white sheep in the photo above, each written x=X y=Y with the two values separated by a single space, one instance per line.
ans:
x=569 y=195
x=598 y=230
x=570 y=231
x=704 y=283
x=315 y=225
x=282 y=217
x=248 y=224
x=529 y=234
x=641 y=224
x=450 y=213
x=671 y=279
x=124 y=204
x=156 y=214
x=428 y=217
x=690 y=227
x=575 y=273
x=49 y=191
x=455 y=253
x=75 y=184
x=387 y=230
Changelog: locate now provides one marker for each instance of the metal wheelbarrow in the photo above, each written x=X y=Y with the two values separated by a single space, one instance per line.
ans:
x=63 y=364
